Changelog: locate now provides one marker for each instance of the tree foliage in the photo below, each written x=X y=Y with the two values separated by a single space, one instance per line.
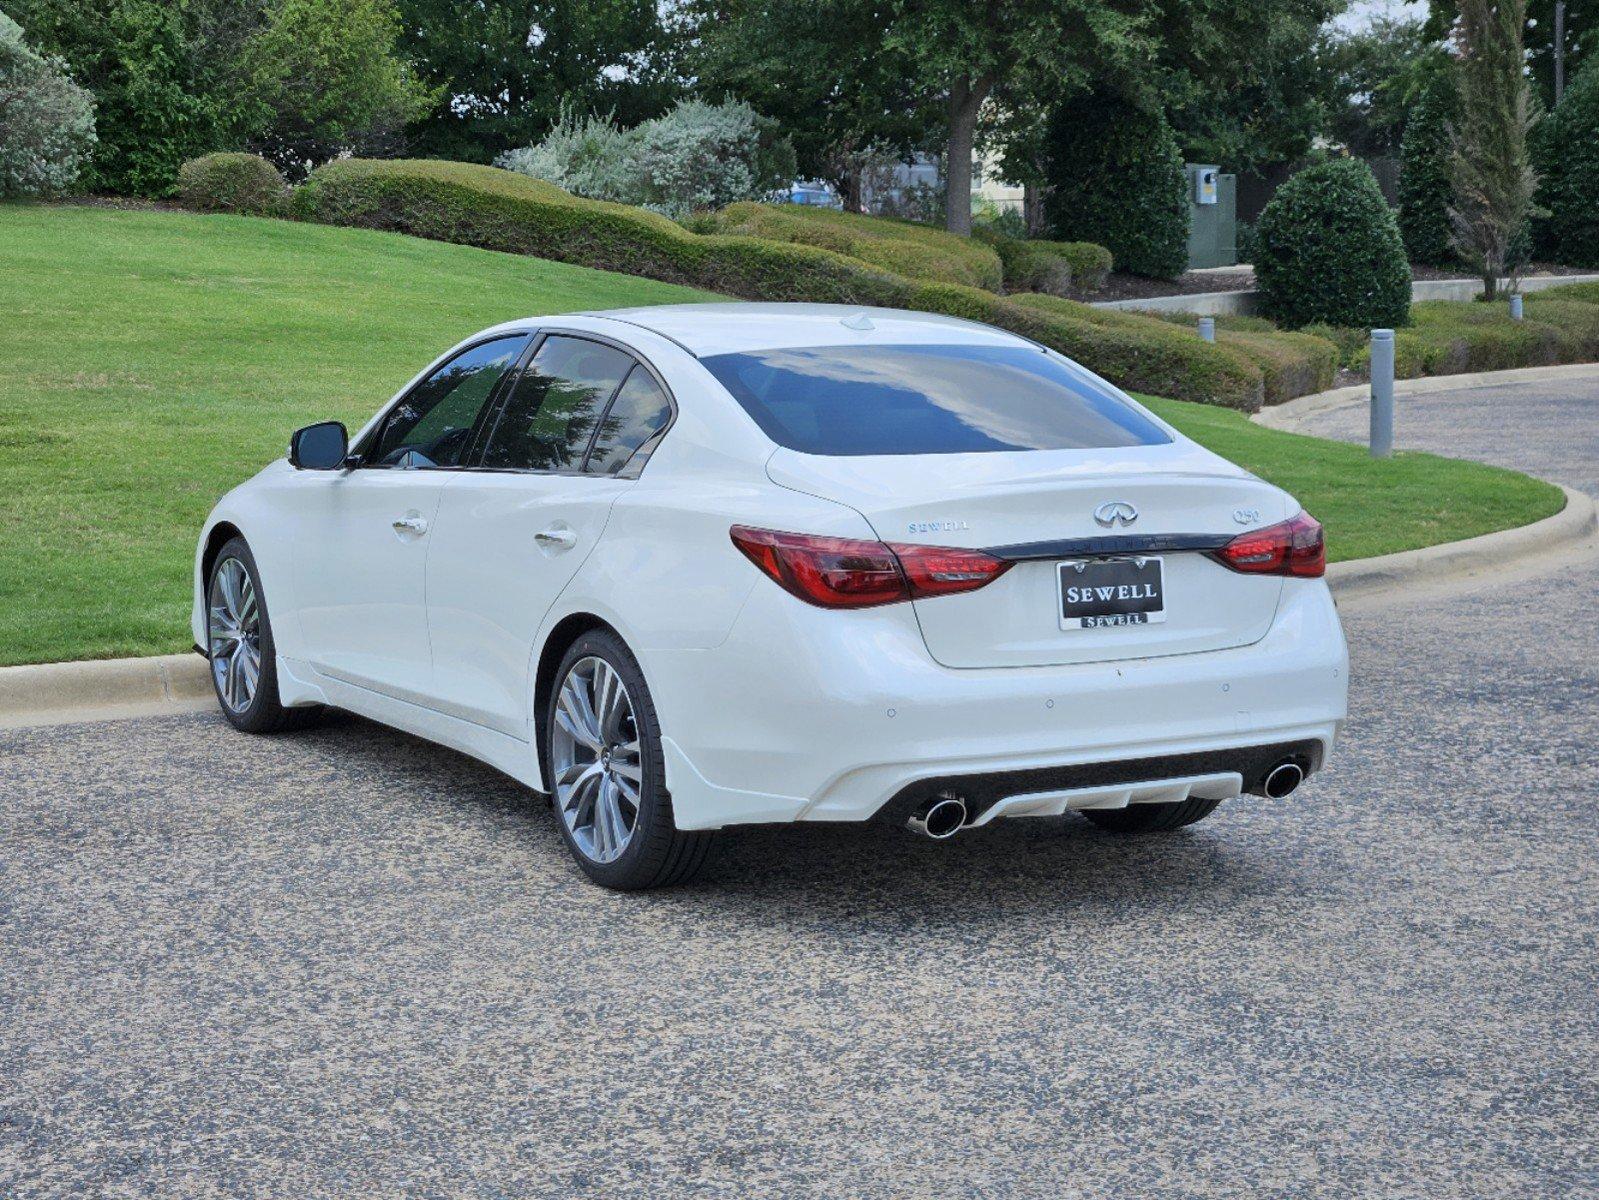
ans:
x=506 y=68
x=1492 y=172
x=46 y=120
x=1566 y=150
x=1426 y=180
x=1116 y=178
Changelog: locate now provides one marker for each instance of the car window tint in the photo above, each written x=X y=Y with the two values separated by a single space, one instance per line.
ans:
x=933 y=399
x=552 y=410
x=638 y=413
x=432 y=426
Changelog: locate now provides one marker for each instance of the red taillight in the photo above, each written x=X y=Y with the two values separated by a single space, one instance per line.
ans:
x=849 y=573
x=1293 y=547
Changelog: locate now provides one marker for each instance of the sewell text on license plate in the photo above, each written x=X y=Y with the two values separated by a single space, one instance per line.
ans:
x=1100 y=592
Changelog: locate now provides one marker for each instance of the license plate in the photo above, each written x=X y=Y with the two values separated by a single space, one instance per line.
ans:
x=1095 y=593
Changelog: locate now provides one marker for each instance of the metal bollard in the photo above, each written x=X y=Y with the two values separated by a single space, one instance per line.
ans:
x=1515 y=306
x=1207 y=328
x=1382 y=393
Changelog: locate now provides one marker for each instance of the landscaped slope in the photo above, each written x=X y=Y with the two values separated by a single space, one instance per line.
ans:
x=149 y=361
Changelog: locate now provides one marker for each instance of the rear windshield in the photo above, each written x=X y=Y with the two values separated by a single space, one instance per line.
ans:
x=848 y=400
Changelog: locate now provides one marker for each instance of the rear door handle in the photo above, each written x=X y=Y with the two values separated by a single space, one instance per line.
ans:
x=411 y=523
x=556 y=536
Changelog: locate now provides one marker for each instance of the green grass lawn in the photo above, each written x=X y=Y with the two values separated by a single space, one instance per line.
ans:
x=151 y=360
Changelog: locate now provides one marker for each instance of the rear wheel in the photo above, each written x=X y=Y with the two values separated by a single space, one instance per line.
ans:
x=606 y=778
x=244 y=662
x=1151 y=818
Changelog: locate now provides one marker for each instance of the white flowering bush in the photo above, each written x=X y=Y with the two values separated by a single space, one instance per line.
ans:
x=698 y=156
x=46 y=120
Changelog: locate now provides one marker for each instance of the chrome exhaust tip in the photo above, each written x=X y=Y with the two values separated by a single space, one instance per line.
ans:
x=1283 y=779
x=939 y=818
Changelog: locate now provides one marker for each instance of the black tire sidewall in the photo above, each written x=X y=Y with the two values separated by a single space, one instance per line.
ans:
x=654 y=830
x=264 y=712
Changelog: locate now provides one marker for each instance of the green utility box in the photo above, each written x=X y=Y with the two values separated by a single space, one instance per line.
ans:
x=1213 y=206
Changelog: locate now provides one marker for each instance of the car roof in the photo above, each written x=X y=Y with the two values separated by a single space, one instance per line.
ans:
x=708 y=329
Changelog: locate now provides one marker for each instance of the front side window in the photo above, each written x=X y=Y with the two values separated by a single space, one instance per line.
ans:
x=553 y=410
x=432 y=426
x=855 y=400
x=639 y=412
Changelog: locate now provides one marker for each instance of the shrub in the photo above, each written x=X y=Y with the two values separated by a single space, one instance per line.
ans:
x=46 y=120
x=697 y=156
x=1330 y=251
x=230 y=182
x=1448 y=337
x=1566 y=155
x=1425 y=186
x=1057 y=268
x=913 y=250
x=1116 y=179
x=1291 y=364
x=501 y=210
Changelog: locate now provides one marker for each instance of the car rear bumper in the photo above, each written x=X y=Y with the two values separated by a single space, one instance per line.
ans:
x=813 y=715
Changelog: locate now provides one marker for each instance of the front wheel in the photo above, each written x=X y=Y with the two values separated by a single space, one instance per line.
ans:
x=603 y=749
x=244 y=664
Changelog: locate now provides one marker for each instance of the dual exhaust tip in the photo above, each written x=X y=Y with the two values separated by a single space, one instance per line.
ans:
x=944 y=815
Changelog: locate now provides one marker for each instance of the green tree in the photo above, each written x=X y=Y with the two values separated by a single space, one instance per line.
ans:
x=1582 y=37
x=1116 y=178
x=1426 y=179
x=134 y=57
x=46 y=120
x=504 y=68
x=1566 y=151
x=1373 y=78
x=1493 y=176
x=321 y=76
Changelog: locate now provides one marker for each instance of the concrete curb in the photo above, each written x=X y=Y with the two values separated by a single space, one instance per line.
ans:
x=1286 y=416
x=1364 y=576
x=59 y=693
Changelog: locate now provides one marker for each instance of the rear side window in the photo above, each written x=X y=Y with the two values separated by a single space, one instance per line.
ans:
x=556 y=404
x=639 y=412
x=432 y=426
x=854 y=400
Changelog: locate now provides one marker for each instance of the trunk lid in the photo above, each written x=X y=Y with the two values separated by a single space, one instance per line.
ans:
x=1039 y=507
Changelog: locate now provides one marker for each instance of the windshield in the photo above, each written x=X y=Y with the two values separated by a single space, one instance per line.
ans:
x=855 y=400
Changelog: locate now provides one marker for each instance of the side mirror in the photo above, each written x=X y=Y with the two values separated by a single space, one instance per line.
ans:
x=320 y=447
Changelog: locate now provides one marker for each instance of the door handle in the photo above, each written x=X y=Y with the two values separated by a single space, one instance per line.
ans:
x=556 y=536
x=411 y=523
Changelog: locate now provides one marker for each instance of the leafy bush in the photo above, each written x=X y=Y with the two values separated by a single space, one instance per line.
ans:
x=46 y=120
x=1448 y=337
x=915 y=251
x=1056 y=268
x=1291 y=364
x=1566 y=155
x=1330 y=250
x=697 y=156
x=232 y=182
x=1116 y=179
x=1425 y=187
x=502 y=210
x=1245 y=242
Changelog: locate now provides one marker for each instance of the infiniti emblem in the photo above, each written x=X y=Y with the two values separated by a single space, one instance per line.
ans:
x=1115 y=512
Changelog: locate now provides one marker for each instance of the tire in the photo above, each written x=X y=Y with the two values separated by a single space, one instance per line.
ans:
x=1151 y=818
x=261 y=711
x=597 y=756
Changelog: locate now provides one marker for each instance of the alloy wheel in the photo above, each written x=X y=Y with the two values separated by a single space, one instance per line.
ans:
x=598 y=770
x=235 y=633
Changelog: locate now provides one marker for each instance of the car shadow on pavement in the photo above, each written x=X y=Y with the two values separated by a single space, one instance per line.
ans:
x=1033 y=863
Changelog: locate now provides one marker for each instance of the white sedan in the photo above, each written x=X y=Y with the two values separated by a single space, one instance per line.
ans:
x=706 y=565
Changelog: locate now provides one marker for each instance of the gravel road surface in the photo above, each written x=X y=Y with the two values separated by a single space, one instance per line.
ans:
x=348 y=963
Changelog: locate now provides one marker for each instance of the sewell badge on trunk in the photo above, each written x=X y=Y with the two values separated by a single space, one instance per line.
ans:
x=1095 y=593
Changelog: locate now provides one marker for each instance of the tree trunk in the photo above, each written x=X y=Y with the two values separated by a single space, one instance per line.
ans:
x=965 y=99
x=1033 y=209
x=851 y=193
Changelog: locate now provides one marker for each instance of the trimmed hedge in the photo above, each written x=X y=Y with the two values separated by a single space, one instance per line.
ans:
x=904 y=247
x=1057 y=268
x=501 y=210
x=1328 y=249
x=228 y=182
x=1291 y=363
x=1448 y=337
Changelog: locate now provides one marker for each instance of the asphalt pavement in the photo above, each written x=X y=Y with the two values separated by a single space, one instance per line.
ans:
x=349 y=963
